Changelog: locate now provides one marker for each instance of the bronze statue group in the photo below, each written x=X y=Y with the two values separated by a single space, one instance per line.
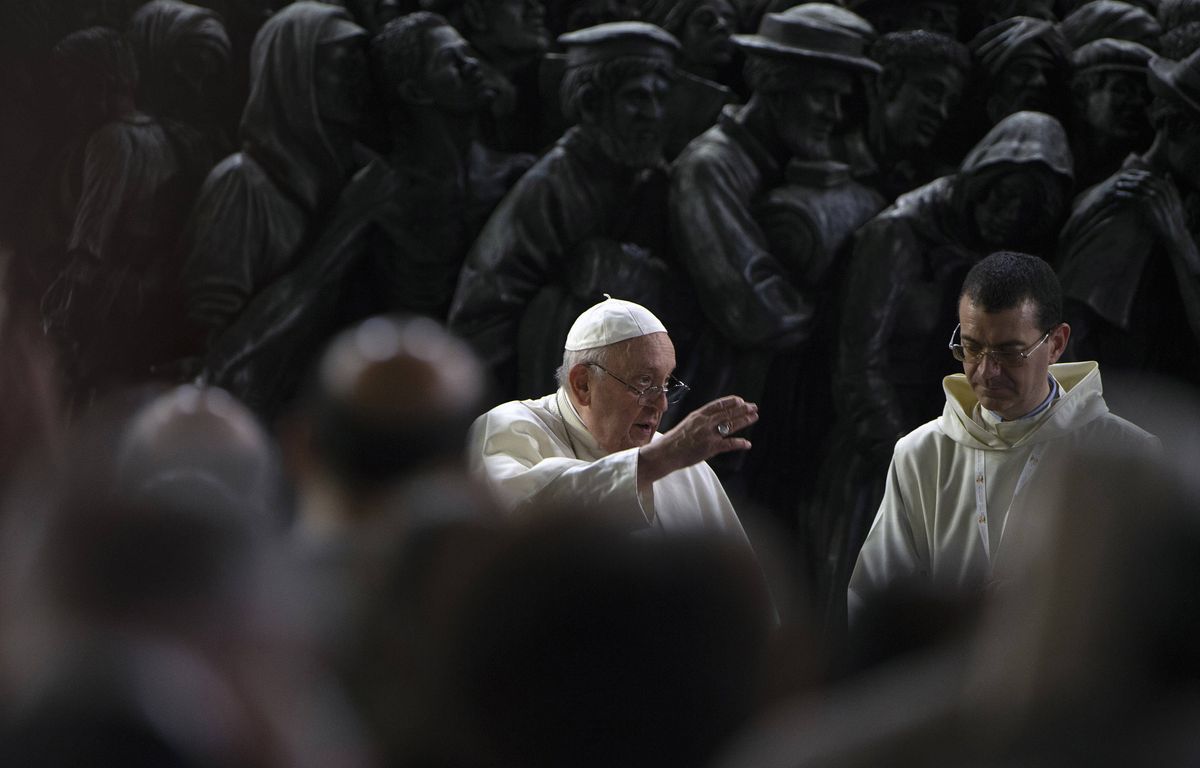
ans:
x=210 y=193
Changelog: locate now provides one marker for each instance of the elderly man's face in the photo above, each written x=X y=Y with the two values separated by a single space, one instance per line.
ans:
x=633 y=126
x=919 y=104
x=806 y=117
x=1009 y=390
x=612 y=412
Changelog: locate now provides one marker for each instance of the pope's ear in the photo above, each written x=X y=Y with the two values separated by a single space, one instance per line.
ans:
x=580 y=383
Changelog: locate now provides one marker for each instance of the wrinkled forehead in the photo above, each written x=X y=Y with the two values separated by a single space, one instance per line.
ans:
x=653 y=352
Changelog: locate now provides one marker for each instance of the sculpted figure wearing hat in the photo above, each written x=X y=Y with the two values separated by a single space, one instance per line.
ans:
x=587 y=216
x=594 y=445
x=1128 y=259
x=1022 y=65
x=1110 y=103
x=760 y=292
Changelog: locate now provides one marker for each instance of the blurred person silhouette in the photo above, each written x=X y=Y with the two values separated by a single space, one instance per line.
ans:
x=962 y=488
x=572 y=645
x=594 y=442
x=158 y=624
x=383 y=503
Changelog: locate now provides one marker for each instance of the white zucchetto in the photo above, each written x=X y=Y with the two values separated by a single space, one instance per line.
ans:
x=610 y=321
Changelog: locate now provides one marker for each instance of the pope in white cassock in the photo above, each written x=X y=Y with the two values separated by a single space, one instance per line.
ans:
x=594 y=444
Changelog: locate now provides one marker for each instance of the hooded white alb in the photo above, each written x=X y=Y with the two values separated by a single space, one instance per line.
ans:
x=963 y=489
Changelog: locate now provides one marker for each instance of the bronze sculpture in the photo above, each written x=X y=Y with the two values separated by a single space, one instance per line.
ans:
x=771 y=161
x=919 y=88
x=447 y=182
x=585 y=219
x=1022 y=64
x=1110 y=18
x=277 y=225
x=1128 y=259
x=1109 y=104
x=509 y=37
x=113 y=207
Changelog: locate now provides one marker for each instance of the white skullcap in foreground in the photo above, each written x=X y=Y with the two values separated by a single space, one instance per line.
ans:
x=610 y=321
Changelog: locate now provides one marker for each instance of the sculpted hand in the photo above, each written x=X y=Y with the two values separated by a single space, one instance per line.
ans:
x=702 y=434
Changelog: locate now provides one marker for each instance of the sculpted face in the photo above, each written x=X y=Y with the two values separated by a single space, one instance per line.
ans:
x=203 y=77
x=705 y=36
x=341 y=80
x=920 y=103
x=633 y=125
x=805 y=118
x=610 y=409
x=518 y=26
x=1182 y=137
x=1026 y=82
x=453 y=80
x=1011 y=392
x=1116 y=104
x=1018 y=208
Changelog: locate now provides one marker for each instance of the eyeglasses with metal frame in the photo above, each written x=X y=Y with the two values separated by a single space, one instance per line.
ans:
x=1005 y=358
x=674 y=388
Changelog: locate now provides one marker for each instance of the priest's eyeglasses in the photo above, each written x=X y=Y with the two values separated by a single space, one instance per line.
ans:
x=970 y=352
x=674 y=389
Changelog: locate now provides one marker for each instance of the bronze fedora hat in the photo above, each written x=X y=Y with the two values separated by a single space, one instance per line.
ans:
x=1177 y=80
x=814 y=31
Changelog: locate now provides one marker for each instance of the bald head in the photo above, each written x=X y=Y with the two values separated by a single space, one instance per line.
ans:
x=393 y=394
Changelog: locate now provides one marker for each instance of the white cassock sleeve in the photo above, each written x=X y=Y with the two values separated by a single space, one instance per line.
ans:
x=525 y=466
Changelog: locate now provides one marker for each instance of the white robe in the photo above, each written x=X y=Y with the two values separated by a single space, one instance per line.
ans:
x=933 y=524
x=540 y=453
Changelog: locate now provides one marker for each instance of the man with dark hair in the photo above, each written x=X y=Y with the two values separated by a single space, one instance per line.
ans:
x=509 y=37
x=447 y=182
x=587 y=217
x=1128 y=259
x=964 y=489
x=908 y=104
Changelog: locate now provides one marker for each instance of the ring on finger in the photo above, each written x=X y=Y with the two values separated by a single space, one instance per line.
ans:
x=724 y=428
